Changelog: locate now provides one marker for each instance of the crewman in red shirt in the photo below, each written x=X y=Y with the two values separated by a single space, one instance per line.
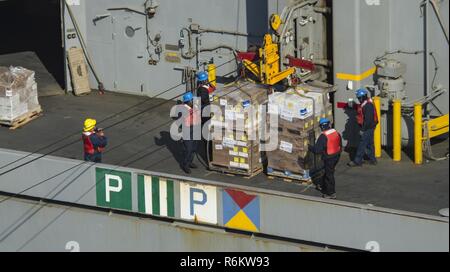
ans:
x=94 y=141
x=367 y=119
x=191 y=122
x=329 y=145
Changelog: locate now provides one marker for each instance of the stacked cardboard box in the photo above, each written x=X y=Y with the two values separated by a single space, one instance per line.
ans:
x=18 y=94
x=235 y=128
x=298 y=112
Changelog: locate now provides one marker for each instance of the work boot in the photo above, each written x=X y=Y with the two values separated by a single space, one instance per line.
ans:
x=353 y=164
x=374 y=163
x=187 y=170
x=333 y=196
x=319 y=188
x=193 y=166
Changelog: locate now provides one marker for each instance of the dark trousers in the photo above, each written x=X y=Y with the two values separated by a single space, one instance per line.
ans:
x=328 y=182
x=190 y=148
x=366 y=146
x=96 y=157
x=206 y=143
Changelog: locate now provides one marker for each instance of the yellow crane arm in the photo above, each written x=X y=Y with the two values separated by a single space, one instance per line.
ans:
x=268 y=70
x=438 y=126
x=252 y=67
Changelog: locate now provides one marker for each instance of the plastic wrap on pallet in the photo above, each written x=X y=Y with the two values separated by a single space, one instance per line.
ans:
x=240 y=105
x=301 y=103
x=290 y=106
x=298 y=111
x=18 y=93
x=236 y=130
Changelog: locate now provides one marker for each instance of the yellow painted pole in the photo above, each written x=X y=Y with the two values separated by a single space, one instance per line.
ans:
x=418 y=134
x=397 y=130
x=377 y=137
x=212 y=74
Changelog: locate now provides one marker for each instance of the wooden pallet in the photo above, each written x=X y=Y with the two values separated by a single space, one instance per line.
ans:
x=235 y=171
x=292 y=177
x=22 y=120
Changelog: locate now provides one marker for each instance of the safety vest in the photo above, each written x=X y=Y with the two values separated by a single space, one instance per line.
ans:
x=211 y=89
x=360 y=116
x=193 y=118
x=333 y=142
x=88 y=146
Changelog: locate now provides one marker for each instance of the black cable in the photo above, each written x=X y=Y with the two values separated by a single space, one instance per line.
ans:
x=102 y=121
x=29 y=217
x=56 y=218
x=436 y=70
x=77 y=141
x=84 y=162
x=101 y=88
x=4 y=237
x=82 y=196
x=71 y=182
x=436 y=66
x=155 y=44
x=123 y=143
x=77 y=132
x=399 y=52
x=129 y=10
x=145 y=155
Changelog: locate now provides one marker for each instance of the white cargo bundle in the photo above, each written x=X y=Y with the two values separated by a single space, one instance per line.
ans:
x=18 y=94
x=300 y=103
x=321 y=99
x=290 y=105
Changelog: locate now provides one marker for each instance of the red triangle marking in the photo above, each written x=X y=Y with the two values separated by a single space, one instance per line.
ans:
x=240 y=198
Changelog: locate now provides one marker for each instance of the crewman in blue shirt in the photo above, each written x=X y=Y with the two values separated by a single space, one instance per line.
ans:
x=94 y=141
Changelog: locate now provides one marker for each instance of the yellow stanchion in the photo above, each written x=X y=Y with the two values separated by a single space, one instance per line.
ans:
x=212 y=74
x=377 y=137
x=397 y=141
x=418 y=134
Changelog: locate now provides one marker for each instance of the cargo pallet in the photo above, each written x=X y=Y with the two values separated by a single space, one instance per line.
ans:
x=288 y=176
x=235 y=171
x=22 y=120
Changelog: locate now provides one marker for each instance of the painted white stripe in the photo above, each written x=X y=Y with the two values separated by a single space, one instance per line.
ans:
x=163 y=197
x=148 y=195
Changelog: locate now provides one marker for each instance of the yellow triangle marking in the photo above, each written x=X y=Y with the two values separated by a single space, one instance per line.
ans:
x=241 y=222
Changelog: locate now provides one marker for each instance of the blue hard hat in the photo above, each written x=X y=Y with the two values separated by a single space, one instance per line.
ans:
x=188 y=97
x=202 y=76
x=324 y=121
x=361 y=93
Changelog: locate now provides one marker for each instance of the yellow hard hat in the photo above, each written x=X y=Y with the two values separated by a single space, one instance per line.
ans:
x=89 y=125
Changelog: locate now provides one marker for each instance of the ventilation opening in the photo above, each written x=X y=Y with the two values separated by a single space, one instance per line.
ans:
x=31 y=37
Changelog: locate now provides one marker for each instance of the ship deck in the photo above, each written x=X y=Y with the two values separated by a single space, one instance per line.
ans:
x=143 y=142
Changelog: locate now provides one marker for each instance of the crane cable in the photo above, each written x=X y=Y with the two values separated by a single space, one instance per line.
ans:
x=101 y=87
x=124 y=142
x=4 y=237
x=110 y=117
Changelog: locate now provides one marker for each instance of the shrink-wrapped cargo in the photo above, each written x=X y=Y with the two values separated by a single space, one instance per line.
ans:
x=18 y=95
x=298 y=112
x=235 y=128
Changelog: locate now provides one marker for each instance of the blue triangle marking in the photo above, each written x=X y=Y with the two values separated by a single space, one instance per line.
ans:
x=252 y=210
x=230 y=208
